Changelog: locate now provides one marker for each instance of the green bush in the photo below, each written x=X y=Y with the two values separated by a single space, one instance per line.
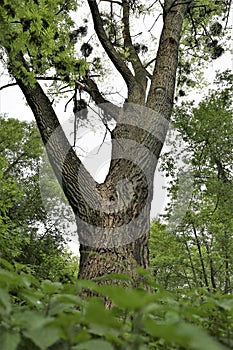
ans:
x=51 y=315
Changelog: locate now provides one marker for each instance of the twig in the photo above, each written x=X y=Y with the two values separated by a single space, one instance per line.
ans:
x=228 y=14
x=7 y=85
x=152 y=5
x=38 y=78
x=149 y=63
x=113 y=2
x=68 y=103
x=154 y=23
x=194 y=28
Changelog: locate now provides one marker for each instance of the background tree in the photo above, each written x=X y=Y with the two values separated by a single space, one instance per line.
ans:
x=38 y=39
x=168 y=261
x=28 y=235
x=198 y=247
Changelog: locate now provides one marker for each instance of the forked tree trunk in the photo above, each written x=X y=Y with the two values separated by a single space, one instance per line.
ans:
x=113 y=218
x=116 y=241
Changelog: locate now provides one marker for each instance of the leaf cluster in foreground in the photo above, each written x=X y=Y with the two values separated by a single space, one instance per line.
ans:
x=50 y=315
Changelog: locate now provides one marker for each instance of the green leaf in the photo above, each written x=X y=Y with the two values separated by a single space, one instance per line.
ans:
x=172 y=317
x=128 y=298
x=43 y=337
x=66 y=321
x=182 y=334
x=5 y=301
x=96 y=313
x=6 y=264
x=31 y=320
x=9 y=278
x=226 y=304
x=29 y=280
x=81 y=336
x=33 y=297
x=9 y=340
x=51 y=287
x=63 y=302
x=94 y=345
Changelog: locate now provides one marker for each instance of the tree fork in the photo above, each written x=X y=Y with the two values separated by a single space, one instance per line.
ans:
x=97 y=260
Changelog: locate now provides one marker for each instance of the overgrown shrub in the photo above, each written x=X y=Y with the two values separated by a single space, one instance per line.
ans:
x=50 y=315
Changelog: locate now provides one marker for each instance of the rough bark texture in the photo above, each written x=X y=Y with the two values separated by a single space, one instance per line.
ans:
x=112 y=220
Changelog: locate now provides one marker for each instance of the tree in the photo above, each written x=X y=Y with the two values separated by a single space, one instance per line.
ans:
x=168 y=261
x=112 y=217
x=19 y=158
x=199 y=246
x=28 y=234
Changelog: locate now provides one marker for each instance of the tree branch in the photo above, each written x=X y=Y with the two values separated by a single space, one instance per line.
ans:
x=148 y=8
x=7 y=85
x=112 y=2
x=114 y=56
x=150 y=62
x=161 y=93
x=37 y=78
x=228 y=13
x=88 y=85
x=76 y=182
x=92 y=89
x=194 y=28
x=140 y=71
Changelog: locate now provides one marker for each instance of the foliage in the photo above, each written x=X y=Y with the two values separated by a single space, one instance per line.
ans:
x=46 y=35
x=27 y=233
x=195 y=247
x=40 y=31
x=204 y=39
x=168 y=260
x=51 y=315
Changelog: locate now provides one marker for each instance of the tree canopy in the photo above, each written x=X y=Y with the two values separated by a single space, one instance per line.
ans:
x=199 y=229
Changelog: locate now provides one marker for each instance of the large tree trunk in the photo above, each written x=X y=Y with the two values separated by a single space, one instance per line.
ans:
x=117 y=239
x=113 y=218
x=148 y=130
